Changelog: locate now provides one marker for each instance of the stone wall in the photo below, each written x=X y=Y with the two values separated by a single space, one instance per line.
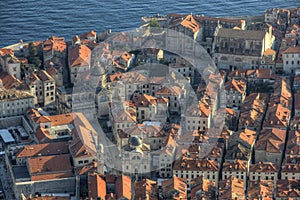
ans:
x=65 y=185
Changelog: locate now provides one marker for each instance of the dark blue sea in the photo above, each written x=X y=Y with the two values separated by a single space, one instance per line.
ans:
x=31 y=20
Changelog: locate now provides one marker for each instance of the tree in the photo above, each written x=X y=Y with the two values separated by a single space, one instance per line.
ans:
x=33 y=57
x=153 y=23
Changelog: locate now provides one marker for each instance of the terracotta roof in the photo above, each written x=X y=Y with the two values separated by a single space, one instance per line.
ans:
x=91 y=33
x=96 y=186
x=126 y=56
x=191 y=23
x=240 y=147
x=231 y=111
x=288 y=188
x=146 y=189
x=83 y=144
x=176 y=187
x=50 y=167
x=263 y=167
x=237 y=73
x=169 y=90
x=277 y=116
x=51 y=70
x=13 y=94
x=265 y=74
x=206 y=18
x=44 y=76
x=9 y=81
x=238 y=85
x=45 y=149
x=253 y=110
x=123 y=187
x=241 y=34
x=201 y=187
x=271 y=140
x=237 y=165
x=79 y=55
x=290 y=168
x=269 y=52
x=4 y=52
x=231 y=188
x=86 y=169
x=55 y=44
x=293 y=143
x=292 y=50
x=190 y=162
x=145 y=100
x=198 y=110
x=264 y=188
x=56 y=120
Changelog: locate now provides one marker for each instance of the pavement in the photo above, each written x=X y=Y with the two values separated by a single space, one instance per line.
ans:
x=6 y=182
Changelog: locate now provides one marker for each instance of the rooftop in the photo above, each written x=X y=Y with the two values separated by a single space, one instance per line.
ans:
x=241 y=34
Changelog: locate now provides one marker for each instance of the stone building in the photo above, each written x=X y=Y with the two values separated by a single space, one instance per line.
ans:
x=79 y=61
x=14 y=102
x=10 y=63
x=235 y=93
x=240 y=49
x=291 y=59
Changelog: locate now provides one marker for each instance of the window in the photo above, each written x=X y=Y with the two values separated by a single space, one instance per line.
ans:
x=80 y=162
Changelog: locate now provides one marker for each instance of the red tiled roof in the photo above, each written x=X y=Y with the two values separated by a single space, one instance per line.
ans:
x=175 y=184
x=191 y=23
x=79 y=55
x=50 y=167
x=9 y=81
x=96 y=187
x=4 y=52
x=237 y=85
x=292 y=50
x=146 y=189
x=123 y=187
x=45 y=149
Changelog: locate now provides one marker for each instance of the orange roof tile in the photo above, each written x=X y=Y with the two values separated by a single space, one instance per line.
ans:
x=123 y=187
x=232 y=188
x=9 y=81
x=175 y=186
x=201 y=187
x=96 y=186
x=50 y=167
x=265 y=188
x=288 y=188
x=263 y=167
x=237 y=165
x=79 y=55
x=191 y=23
x=45 y=149
x=271 y=140
x=292 y=50
x=146 y=189
x=237 y=85
x=270 y=52
x=4 y=52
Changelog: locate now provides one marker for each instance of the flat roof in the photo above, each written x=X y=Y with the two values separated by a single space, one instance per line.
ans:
x=6 y=136
x=22 y=131
x=20 y=172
